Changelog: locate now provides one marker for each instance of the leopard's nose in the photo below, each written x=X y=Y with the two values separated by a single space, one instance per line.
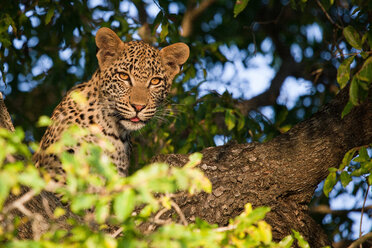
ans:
x=138 y=108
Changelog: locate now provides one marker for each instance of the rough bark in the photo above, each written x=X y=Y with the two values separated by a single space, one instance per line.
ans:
x=5 y=121
x=282 y=173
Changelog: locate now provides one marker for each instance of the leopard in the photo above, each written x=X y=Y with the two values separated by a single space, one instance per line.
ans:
x=131 y=82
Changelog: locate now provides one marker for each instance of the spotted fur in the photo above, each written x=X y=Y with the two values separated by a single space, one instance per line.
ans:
x=131 y=82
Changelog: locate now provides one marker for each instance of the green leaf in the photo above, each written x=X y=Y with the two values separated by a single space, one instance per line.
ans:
x=124 y=204
x=354 y=91
x=286 y=242
x=343 y=72
x=230 y=119
x=364 y=38
x=31 y=177
x=239 y=6
x=44 y=121
x=332 y=169
x=194 y=160
x=363 y=154
x=241 y=123
x=345 y=178
x=347 y=158
x=257 y=214
x=5 y=184
x=349 y=106
x=352 y=37
x=102 y=211
x=49 y=15
x=370 y=179
x=365 y=72
x=82 y=202
x=58 y=212
x=301 y=241
x=164 y=32
x=329 y=183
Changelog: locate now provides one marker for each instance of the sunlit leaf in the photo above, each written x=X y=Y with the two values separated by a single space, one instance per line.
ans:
x=343 y=72
x=82 y=202
x=286 y=242
x=352 y=37
x=365 y=72
x=124 y=204
x=49 y=15
x=347 y=158
x=102 y=210
x=345 y=178
x=348 y=107
x=329 y=183
x=58 y=212
x=164 y=31
x=44 y=121
x=230 y=119
x=300 y=240
x=363 y=154
x=239 y=6
x=354 y=91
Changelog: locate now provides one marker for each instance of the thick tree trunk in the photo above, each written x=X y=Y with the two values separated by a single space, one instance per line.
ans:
x=281 y=174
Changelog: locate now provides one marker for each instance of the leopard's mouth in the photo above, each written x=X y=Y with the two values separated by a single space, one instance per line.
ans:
x=135 y=119
x=132 y=124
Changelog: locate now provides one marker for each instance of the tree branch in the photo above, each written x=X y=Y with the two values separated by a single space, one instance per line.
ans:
x=191 y=14
x=327 y=15
x=324 y=209
x=361 y=240
x=282 y=174
x=287 y=68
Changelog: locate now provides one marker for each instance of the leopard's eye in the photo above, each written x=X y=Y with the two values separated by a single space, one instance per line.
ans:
x=155 y=81
x=123 y=76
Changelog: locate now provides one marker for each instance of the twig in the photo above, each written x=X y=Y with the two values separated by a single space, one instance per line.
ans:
x=361 y=214
x=323 y=209
x=191 y=14
x=352 y=54
x=117 y=232
x=361 y=240
x=18 y=204
x=180 y=213
x=225 y=228
x=275 y=21
x=46 y=206
x=327 y=15
x=39 y=224
x=157 y=219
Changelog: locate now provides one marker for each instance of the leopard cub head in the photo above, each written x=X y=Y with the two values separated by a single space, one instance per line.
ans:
x=135 y=77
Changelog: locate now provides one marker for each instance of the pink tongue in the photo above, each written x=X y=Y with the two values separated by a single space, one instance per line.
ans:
x=135 y=119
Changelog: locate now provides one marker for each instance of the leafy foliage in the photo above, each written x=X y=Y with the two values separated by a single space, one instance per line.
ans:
x=361 y=167
x=101 y=197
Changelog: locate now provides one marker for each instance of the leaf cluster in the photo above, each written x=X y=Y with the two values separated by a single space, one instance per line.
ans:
x=95 y=192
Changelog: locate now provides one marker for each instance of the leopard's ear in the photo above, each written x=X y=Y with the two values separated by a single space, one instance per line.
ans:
x=109 y=46
x=174 y=56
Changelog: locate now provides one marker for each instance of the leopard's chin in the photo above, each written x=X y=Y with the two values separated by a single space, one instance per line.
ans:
x=131 y=125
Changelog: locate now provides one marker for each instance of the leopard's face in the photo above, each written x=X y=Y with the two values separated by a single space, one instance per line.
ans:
x=136 y=84
x=136 y=77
